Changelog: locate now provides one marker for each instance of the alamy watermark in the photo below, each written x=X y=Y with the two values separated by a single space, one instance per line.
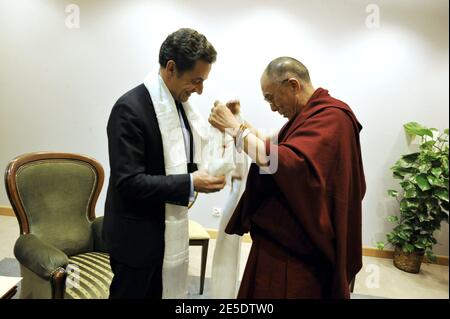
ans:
x=73 y=276
x=373 y=279
x=373 y=17
x=73 y=16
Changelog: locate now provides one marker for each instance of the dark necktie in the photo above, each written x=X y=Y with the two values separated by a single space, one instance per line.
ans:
x=191 y=166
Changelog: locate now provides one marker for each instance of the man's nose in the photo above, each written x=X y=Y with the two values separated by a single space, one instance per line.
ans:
x=199 y=88
x=273 y=107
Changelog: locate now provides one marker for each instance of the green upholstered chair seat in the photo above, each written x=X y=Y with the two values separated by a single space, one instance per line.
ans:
x=89 y=276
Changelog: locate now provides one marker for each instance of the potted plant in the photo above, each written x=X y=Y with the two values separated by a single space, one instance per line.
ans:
x=424 y=203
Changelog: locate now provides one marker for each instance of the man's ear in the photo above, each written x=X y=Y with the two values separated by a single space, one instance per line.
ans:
x=170 y=68
x=295 y=84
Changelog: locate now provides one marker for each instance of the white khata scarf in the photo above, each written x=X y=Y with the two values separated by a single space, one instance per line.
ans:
x=176 y=253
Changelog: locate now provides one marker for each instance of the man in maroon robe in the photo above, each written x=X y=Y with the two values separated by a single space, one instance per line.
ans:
x=304 y=217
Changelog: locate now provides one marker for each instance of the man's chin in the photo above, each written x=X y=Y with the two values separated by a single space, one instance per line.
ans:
x=185 y=98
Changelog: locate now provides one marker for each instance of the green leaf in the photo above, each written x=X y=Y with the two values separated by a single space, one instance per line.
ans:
x=412 y=203
x=408 y=248
x=445 y=166
x=406 y=227
x=403 y=206
x=397 y=175
x=446 y=131
x=422 y=195
x=422 y=217
x=434 y=181
x=403 y=235
x=414 y=128
x=425 y=167
x=411 y=193
x=403 y=170
x=390 y=237
x=442 y=194
x=422 y=182
x=410 y=158
x=437 y=171
x=407 y=185
x=392 y=219
x=380 y=245
x=430 y=256
x=427 y=145
x=392 y=193
x=401 y=163
x=431 y=206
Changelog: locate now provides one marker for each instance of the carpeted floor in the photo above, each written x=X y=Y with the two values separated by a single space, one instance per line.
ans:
x=10 y=267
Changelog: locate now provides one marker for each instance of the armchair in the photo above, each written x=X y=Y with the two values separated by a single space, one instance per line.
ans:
x=60 y=248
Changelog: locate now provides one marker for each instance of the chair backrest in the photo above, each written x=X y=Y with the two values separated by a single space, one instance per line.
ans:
x=54 y=195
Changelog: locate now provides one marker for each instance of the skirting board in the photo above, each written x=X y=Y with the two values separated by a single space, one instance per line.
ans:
x=6 y=211
x=375 y=252
x=367 y=251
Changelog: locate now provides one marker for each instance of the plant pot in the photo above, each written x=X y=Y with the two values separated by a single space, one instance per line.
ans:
x=409 y=262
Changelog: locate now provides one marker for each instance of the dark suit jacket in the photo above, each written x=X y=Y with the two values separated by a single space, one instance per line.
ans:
x=138 y=188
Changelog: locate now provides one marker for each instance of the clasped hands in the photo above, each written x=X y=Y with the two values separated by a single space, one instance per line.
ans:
x=223 y=117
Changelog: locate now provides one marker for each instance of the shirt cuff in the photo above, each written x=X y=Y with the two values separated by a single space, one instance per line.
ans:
x=191 y=193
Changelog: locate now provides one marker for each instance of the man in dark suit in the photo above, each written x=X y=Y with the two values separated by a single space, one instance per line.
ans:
x=139 y=187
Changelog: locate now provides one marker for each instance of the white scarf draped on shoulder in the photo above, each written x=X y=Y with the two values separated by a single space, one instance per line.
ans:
x=176 y=253
x=212 y=150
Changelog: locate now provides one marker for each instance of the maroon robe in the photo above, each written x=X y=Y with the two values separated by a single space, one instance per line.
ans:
x=305 y=217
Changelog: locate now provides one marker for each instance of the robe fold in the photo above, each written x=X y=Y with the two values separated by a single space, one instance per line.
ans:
x=305 y=216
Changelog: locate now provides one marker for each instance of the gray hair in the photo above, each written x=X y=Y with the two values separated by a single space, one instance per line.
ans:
x=285 y=67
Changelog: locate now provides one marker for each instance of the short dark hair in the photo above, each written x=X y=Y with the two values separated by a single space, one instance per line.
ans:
x=185 y=46
x=285 y=66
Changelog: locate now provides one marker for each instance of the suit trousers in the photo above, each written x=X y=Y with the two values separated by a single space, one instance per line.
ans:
x=135 y=283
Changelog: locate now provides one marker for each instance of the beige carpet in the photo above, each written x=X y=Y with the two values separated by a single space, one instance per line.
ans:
x=378 y=278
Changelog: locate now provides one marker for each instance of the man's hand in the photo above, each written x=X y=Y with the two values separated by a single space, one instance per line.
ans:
x=222 y=118
x=205 y=183
x=234 y=106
